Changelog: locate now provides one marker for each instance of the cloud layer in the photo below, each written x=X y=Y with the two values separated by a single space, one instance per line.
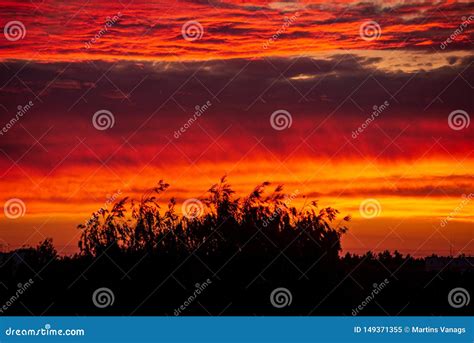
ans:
x=166 y=30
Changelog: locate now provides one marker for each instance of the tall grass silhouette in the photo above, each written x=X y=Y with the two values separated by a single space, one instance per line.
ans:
x=227 y=224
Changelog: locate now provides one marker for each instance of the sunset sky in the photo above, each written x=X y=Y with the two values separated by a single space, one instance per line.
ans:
x=320 y=66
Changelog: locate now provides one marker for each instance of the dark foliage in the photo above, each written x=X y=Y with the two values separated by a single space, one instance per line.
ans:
x=154 y=260
x=226 y=226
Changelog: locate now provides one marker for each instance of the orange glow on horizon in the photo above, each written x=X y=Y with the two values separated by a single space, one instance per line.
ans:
x=60 y=200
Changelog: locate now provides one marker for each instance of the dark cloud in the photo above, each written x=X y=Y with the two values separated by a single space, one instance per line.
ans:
x=329 y=98
x=237 y=82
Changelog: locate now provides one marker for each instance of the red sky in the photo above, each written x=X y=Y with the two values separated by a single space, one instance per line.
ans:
x=310 y=59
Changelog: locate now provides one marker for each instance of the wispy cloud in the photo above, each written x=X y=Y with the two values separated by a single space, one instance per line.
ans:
x=231 y=29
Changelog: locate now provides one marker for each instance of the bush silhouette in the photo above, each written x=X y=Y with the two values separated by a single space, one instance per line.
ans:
x=226 y=225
